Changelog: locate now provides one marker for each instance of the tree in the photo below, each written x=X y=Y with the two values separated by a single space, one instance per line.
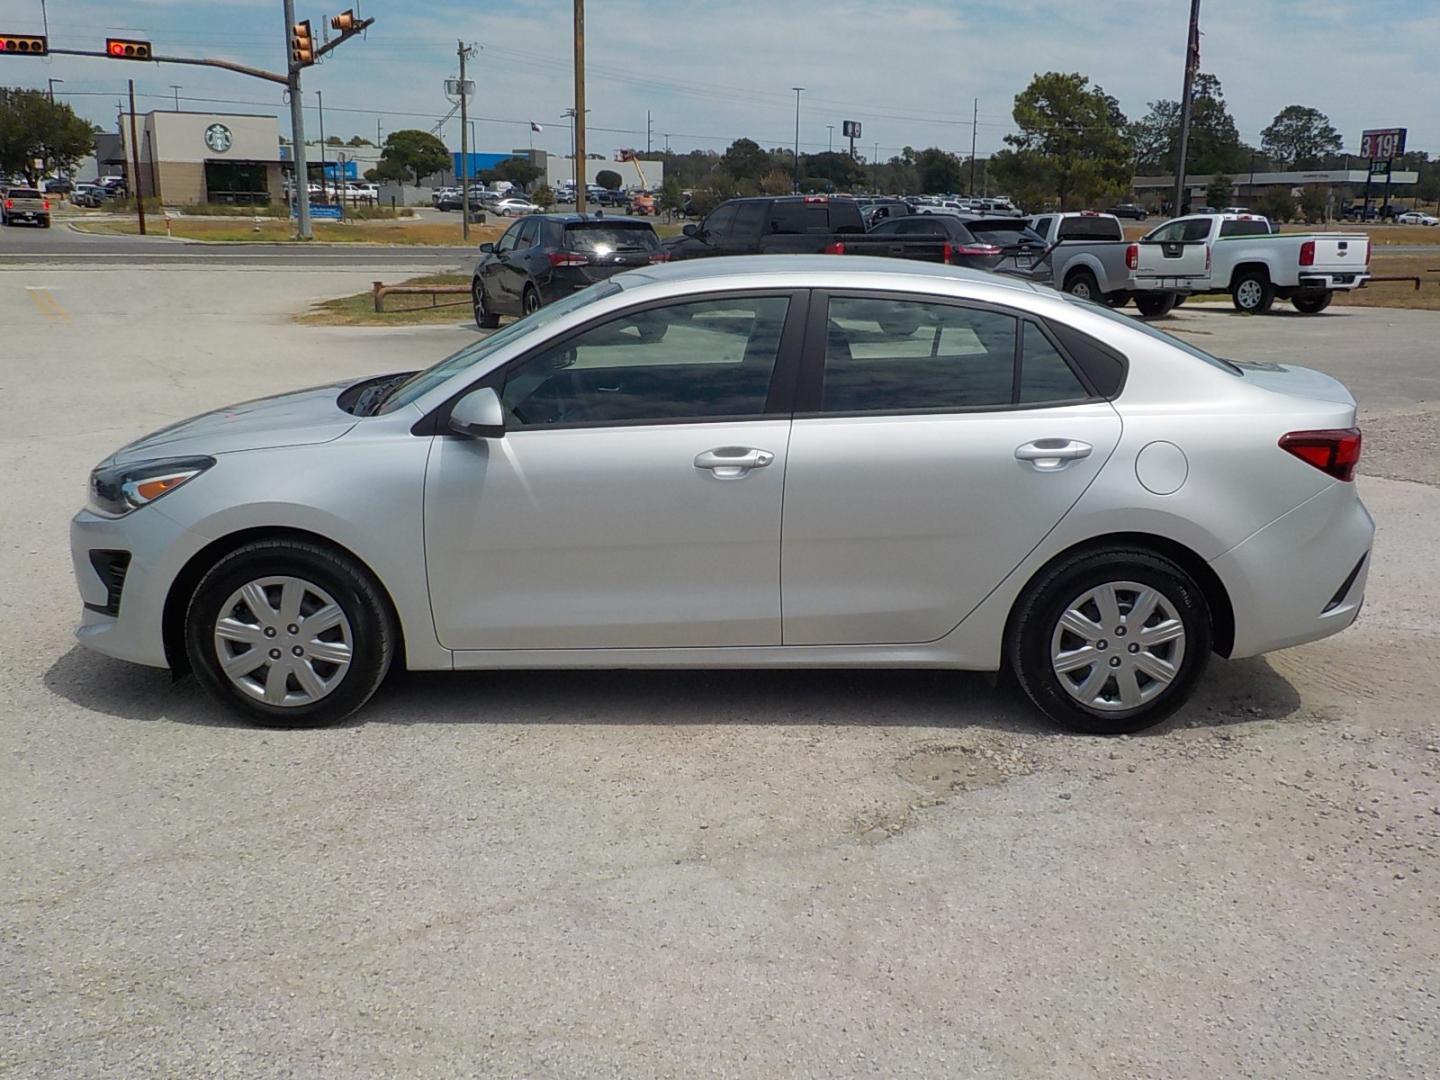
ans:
x=1025 y=175
x=1215 y=144
x=543 y=196
x=1078 y=132
x=841 y=171
x=1277 y=204
x=1300 y=138
x=1220 y=192
x=334 y=140
x=940 y=172
x=413 y=153
x=359 y=140
x=672 y=198
x=744 y=160
x=518 y=171
x=1314 y=203
x=31 y=127
x=375 y=175
x=776 y=182
x=609 y=179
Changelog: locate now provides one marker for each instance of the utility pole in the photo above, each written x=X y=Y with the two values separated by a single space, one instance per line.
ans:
x=667 y=142
x=297 y=136
x=464 y=54
x=649 y=128
x=177 y=88
x=581 y=182
x=135 y=159
x=52 y=83
x=324 y=175
x=797 y=90
x=831 y=128
x=1187 y=104
x=974 y=127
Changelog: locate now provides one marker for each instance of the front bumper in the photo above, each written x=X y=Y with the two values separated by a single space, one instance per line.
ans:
x=158 y=549
x=1302 y=577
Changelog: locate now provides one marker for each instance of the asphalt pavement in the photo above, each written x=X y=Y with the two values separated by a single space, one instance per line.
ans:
x=677 y=874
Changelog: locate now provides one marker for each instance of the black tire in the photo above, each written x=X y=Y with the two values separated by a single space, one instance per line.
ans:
x=529 y=300
x=1035 y=623
x=1252 y=292
x=1154 y=305
x=1312 y=303
x=1180 y=299
x=485 y=319
x=373 y=633
x=1082 y=283
x=1118 y=300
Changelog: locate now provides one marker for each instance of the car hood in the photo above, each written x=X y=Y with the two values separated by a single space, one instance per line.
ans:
x=294 y=419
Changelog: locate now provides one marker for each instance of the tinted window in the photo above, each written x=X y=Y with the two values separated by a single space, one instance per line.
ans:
x=1245 y=228
x=529 y=233
x=507 y=242
x=1090 y=228
x=25 y=193
x=1177 y=231
x=1005 y=233
x=692 y=361
x=885 y=356
x=748 y=220
x=1044 y=374
x=1042 y=225
x=605 y=237
x=721 y=220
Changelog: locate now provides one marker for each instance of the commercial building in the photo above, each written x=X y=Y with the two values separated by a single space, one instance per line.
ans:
x=1343 y=185
x=191 y=157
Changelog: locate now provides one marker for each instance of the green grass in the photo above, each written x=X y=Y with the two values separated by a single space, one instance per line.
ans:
x=406 y=310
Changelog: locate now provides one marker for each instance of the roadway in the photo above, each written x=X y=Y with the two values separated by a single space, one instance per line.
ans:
x=62 y=247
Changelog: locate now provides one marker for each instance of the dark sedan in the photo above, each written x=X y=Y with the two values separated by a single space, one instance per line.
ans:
x=1003 y=245
x=544 y=257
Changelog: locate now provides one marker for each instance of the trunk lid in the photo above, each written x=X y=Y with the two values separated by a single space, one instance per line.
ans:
x=1295 y=381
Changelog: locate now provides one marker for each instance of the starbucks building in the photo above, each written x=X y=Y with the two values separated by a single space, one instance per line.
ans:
x=189 y=157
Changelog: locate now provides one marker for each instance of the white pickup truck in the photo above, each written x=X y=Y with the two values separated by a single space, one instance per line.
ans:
x=1240 y=255
x=1086 y=255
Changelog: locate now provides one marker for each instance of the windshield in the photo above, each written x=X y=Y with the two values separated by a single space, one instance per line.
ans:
x=1006 y=233
x=1150 y=331
x=603 y=238
x=422 y=382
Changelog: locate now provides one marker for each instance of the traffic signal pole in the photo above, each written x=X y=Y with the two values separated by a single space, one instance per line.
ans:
x=135 y=160
x=297 y=137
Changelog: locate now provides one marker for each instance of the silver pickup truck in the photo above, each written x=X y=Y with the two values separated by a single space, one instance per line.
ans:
x=1086 y=257
x=25 y=204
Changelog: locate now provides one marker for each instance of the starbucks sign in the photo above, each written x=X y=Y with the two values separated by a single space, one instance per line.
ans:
x=217 y=138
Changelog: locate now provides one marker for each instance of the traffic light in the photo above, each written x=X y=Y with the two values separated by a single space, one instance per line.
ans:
x=302 y=45
x=345 y=22
x=127 y=49
x=24 y=45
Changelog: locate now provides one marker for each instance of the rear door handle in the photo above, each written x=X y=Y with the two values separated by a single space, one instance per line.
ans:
x=733 y=462
x=1052 y=455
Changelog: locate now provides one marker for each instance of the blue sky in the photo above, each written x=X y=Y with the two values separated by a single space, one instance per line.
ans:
x=711 y=72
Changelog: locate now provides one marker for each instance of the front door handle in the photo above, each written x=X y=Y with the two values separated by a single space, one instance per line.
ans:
x=1052 y=455
x=733 y=462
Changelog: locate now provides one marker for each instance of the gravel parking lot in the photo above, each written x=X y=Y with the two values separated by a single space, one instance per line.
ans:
x=675 y=874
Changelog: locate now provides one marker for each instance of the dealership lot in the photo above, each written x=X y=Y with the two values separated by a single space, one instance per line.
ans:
x=630 y=874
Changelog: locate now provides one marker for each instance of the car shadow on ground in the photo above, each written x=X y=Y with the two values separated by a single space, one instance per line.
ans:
x=1231 y=692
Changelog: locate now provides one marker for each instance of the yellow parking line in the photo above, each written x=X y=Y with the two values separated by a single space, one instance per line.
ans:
x=46 y=303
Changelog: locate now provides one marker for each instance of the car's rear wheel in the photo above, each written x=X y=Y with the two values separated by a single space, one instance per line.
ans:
x=1118 y=299
x=289 y=633
x=1082 y=284
x=1154 y=305
x=1312 y=303
x=485 y=319
x=1110 y=641
x=1252 y=292
x=530 y=300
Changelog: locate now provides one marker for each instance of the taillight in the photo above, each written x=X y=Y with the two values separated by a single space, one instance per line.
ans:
x=1335 y=451
x=1132 y=257
x=9 y=204
x=817 y=198
x=567 y=258
x=946 y=252
x=659 y=256
x=1367 y=251
x=1307 y=253
x=1207 y=258
x=837 y=248
x=975 y=249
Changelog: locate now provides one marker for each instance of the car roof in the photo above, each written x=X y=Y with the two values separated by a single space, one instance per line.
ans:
x=573 y=218
x=817 y=271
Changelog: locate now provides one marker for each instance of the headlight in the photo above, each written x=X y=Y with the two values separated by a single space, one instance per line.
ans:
x=116 y=490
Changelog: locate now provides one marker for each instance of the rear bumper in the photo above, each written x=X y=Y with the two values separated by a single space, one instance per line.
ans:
x=1302 y=577
x=1328 y=282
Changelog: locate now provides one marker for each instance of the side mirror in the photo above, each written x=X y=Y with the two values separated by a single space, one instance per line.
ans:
x=486 y=248
x=479 y=415
x=691 y=229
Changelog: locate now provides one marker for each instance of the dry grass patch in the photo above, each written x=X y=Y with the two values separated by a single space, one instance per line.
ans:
x=280 y=230
x=403 y=309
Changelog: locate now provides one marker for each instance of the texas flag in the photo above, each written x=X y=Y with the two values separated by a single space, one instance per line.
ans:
x=535 y=127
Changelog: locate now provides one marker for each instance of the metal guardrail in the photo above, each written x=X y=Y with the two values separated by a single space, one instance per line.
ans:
x=380 y=290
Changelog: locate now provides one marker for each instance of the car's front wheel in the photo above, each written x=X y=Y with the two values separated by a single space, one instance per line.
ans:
x=1083 y=286
x=1111 y=641
x=289 y=633
x=485 y=319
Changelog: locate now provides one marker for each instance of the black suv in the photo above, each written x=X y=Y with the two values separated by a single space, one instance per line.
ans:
x=544 y=257
x=1129 y=210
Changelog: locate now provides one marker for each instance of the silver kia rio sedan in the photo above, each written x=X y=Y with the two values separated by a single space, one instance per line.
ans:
x=771 y=462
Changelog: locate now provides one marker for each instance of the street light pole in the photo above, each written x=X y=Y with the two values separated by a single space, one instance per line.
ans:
x=831 y=128
x=297 y=138
x=324 y=180
x=581 y=179
x=797 y=90
x=177 y=88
